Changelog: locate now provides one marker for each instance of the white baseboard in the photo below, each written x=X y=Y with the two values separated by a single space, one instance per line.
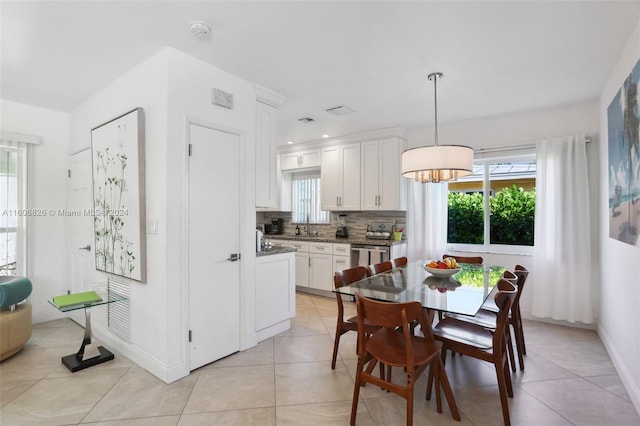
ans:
x=166 y=373
x=278 y=328
x=632 y=388
x=44 y=316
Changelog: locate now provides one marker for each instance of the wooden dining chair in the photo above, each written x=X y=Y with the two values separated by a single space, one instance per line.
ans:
x=479 y=342
x=342 y=278
x=471 y=260
x=381 y=267
x=520 y=273
x=395 y=346
x=399 y=262
x=486 y=317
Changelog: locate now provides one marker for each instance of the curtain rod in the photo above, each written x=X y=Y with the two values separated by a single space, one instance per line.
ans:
x=530 y=145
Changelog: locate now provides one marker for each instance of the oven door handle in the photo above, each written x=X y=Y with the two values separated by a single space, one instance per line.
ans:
x=385 y=250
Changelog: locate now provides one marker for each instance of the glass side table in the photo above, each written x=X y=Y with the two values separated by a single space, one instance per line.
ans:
x=88 y=355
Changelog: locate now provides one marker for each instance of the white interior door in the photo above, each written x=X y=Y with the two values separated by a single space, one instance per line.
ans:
x=80 y=227
x=214 y=238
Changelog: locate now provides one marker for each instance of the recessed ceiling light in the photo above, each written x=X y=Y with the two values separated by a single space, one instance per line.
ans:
x=325 y=136
x=289 y=142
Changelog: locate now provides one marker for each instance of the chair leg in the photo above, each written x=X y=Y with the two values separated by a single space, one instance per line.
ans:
x=356 y=393
x=336 y=342
x=512 y=357
x=448 y=393
x=435 y=366
x=521 y=332
x=519 y=337
x=501 y=370
x=409 y=397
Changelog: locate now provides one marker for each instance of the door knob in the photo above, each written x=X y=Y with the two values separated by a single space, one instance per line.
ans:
x=87 y=248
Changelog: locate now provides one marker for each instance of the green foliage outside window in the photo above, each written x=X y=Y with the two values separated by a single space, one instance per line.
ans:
x=466 y=218
x=512 y=217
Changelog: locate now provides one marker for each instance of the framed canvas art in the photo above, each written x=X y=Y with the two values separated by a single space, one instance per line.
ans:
x=117 y=148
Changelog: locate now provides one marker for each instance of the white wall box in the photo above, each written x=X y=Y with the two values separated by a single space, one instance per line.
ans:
x=382 y=187
x=300 y=159
x=267 y=172
x=275 y=294
x=340 y=177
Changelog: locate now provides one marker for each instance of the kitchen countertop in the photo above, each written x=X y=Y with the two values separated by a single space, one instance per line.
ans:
x=275 y=250
x=350 y=240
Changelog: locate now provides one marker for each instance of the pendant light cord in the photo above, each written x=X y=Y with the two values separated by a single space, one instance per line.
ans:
x=435 y=77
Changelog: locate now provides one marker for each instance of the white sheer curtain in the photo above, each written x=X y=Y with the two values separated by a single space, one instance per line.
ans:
x=426 y=220
x=13 y=197
x=563 y=288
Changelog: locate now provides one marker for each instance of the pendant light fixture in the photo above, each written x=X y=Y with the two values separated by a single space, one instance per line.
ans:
x=437 y=163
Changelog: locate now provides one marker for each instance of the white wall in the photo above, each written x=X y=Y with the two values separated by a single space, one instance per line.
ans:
x=522 y=129
x=144 y=86
x=620 y=301
x=171 y=87
x=190 y=84
x=47 y=190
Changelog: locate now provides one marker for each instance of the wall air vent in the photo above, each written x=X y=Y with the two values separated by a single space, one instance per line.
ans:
x=339 y=110
x=306 y=119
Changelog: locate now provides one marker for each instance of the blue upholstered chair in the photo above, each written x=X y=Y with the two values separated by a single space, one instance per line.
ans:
x=15 y=317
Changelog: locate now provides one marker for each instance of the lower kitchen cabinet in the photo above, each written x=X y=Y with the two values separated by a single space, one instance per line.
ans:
x=275 y=294
x=317 y=261
x=320 y=271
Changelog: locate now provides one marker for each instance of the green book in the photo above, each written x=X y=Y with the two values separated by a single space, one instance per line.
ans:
x=76 y=299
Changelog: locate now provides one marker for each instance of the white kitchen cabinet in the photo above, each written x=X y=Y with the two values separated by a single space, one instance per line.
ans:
x=321 y=271
x=300 y=159
x=302 y=261
x=340 y=263
x=267 y=188
x=275 y=294
x=320 y=266
x=341 y=257
x=340 y=177
x=382 y=186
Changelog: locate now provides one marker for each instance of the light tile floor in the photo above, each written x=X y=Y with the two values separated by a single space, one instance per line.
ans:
x=287 y=380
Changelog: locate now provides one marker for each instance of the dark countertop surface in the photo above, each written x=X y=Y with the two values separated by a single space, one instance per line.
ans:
x=350 y=240
x=274 y=250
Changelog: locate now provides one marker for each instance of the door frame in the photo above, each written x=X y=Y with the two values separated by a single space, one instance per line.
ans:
x=184 y=240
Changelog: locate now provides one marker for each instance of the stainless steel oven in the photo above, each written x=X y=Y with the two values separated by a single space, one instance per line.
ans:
x=368 y=254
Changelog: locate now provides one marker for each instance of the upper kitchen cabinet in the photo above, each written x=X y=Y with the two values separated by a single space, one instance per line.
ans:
x=267 y=188
x=300 y=160
x=382 y=187
x=340 y=177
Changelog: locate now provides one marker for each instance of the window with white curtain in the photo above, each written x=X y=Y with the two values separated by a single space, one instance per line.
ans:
x=495 y=206
x=305 y=199
x=13 y=209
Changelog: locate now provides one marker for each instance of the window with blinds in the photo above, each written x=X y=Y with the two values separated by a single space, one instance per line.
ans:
x=306 y=198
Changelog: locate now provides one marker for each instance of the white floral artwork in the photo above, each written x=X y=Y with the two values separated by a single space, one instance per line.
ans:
x=118 y=196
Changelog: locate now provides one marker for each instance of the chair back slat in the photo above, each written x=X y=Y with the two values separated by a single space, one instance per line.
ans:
x=399 y=262
x=381 y=267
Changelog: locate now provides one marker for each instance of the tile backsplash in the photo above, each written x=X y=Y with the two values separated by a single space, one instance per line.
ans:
x=356 y=222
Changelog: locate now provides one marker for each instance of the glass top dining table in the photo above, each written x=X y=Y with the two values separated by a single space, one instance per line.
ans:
x=463 y=293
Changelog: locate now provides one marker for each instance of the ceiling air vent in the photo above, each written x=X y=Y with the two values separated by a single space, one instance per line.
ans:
x=339 y=110
x=306 y=119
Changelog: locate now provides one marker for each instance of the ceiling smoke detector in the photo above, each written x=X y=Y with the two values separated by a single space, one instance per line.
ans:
x=199 y=28
x=339 y=110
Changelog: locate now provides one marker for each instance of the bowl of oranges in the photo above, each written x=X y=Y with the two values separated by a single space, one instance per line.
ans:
x=442 y=268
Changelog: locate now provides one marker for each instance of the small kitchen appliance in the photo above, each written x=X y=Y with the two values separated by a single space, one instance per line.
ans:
x=341 y=231
x=274 y=228
x=380 y=229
